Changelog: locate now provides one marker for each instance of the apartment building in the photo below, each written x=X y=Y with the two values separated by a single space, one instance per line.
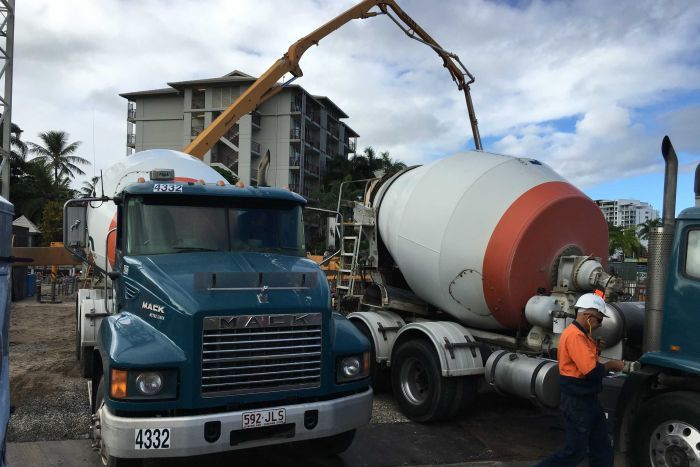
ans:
x=627 y=212
x=301 y=131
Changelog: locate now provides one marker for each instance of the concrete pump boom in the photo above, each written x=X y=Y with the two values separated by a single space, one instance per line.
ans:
x=267 y=85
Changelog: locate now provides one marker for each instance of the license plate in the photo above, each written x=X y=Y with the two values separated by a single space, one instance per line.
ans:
x=152 y=438
x=260 y=418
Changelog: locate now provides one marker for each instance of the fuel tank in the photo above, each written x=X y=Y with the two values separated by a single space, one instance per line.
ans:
x=477 y=234
x=102 y=217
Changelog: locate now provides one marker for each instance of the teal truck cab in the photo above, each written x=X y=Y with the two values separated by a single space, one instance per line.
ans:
x=211 y=330
x=656 y=413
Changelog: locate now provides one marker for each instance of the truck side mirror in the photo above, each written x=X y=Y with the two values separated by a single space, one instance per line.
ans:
x=114 y=275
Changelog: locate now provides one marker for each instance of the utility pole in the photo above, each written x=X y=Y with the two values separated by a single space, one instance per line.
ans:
x=7 y=42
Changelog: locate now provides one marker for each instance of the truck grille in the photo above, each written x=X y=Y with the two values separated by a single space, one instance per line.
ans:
x=260 y=353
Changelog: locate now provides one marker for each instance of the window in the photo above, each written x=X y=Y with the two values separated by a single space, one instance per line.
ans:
x=158 y=225
x=198 y=98
x=692 y=254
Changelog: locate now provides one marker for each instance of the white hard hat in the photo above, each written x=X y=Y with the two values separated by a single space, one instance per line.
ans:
x=591 y=300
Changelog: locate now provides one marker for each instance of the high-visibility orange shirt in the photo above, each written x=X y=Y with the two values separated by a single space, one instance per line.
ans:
x=577 y=352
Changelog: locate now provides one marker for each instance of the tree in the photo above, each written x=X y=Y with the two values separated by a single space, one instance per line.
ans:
x=390 y=165
x=57 y=153
x=624 y=239
x=227 y=174
x=51 y=224
x=645 y=228
x=88 y=188
x=18 y=148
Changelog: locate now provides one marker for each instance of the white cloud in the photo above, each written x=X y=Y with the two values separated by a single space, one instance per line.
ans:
x=599 y=62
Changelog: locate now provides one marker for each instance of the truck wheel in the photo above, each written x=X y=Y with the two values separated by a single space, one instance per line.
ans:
x=86 y=362
x=668 y=431
x=423 y=394
x=381 y=381
x=105 y=458
x=464 y=395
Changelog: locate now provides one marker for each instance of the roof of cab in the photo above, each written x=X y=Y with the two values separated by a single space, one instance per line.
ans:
x=690 y=213
x=190 y=188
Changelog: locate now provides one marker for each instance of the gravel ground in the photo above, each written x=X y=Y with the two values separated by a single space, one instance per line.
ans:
x=48 y=395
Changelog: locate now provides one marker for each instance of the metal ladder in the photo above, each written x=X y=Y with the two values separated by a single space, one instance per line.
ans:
x=347 y=267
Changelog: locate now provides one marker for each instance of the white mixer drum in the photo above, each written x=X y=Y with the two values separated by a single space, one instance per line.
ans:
x=477 y=234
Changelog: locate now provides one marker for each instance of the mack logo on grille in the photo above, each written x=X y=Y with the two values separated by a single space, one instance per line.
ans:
x=261 y=321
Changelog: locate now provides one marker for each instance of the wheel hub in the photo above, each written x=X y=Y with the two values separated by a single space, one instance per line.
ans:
x=675 y=444
x=414 y=381
x=98 y=443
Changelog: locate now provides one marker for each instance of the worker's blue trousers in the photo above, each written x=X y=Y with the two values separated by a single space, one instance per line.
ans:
x=586 y=432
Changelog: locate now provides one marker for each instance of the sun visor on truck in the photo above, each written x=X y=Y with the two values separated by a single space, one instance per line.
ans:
x=254 y=280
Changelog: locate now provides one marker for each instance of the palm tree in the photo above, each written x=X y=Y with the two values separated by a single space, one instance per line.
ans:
x=370 y=154
x=57 y=153
x=88 y=188
x=624 y=239
x=390 y=165
x=18 y=148
x=645 y=228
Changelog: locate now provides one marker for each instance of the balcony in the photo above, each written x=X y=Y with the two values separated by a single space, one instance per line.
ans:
x=333 y=130
x=294 y=187
x=256 y=120
x=296 y=106
x=294 y=160
x=131 y=140
x=312 y=169
x=131 y=112
x=314 y=116
x=255 y=147
x=295 y=133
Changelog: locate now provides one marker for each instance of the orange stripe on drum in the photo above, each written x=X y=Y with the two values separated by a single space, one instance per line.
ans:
x=532 y=233
x=112 y=241
x=185 y=179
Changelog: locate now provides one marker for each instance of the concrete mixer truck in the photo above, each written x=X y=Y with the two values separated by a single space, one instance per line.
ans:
x=210 y=331
x=476 y=261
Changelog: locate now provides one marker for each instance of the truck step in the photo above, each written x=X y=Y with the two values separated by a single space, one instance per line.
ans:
x=343 y=287
x=345 y=270
x=350 y=238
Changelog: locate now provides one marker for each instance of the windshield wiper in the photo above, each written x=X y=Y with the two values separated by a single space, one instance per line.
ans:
x=185 y=249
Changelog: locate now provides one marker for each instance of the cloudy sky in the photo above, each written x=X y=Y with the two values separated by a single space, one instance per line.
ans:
x=589 y=87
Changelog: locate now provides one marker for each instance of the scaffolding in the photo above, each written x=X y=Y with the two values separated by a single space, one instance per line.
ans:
x=7 y=33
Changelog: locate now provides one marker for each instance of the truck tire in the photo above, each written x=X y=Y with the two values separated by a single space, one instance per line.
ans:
x=464 y=395
x=667 y=431
x=86 y=362
x=105 y=458
x=381 y=381
x=421 y=391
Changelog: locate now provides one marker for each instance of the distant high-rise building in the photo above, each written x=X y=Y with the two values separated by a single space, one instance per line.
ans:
x=301 y=131
x=627 y=212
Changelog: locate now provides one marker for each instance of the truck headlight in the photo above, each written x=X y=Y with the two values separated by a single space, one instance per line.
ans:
x=149 y=383
x=352 y=367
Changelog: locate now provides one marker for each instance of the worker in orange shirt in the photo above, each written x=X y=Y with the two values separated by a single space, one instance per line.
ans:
x=581 y=379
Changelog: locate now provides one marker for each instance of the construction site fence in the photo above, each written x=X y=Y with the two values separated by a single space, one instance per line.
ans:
x=53 y=286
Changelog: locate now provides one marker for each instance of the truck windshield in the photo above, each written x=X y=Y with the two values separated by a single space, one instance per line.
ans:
x=162 y=225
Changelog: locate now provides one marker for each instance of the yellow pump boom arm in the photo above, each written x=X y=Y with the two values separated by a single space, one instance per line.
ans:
x=267 y=85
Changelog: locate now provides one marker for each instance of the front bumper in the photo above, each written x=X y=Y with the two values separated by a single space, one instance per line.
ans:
x=187 y=433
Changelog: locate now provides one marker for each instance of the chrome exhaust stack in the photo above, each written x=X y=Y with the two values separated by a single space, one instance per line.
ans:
x=660 y=244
